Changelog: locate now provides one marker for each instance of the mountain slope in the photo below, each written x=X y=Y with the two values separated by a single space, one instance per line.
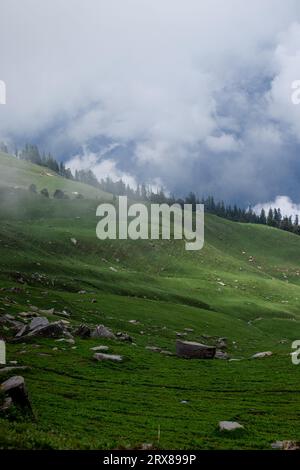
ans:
x=20 y=174
x=243 y=285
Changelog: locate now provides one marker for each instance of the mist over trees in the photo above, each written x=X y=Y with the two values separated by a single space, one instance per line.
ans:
x=143 y=192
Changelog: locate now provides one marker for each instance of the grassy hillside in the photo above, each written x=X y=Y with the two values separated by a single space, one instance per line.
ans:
x=243 y=285
x=20 y=174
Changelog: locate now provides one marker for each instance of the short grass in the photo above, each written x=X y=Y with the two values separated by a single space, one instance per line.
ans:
x=243 y=285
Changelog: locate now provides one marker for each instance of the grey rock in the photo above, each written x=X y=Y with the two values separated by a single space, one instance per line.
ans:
x=124 y=337
x=102 y=331
x=153 y=349
x=7 y=403
x=108 y=357
x=260 y=355
x=230 y=426
x=52 y=330
x=192 y=350
x=38 y=322
x=221 y=354
x=15 y=388
x=83 y=331
x=100 y=348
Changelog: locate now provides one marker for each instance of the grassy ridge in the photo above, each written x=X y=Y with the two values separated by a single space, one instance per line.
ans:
x=244 y=285
x=20 y=174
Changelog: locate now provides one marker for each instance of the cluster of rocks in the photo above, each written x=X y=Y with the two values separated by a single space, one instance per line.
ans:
x=100 y=331
x=41 y=327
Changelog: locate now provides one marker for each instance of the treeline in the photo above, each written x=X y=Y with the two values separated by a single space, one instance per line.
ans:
x=143 y=192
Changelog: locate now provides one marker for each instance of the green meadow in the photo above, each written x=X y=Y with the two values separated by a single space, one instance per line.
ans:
x=243 y=285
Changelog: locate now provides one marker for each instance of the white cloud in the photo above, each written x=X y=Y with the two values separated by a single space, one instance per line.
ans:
x=188 y=83
x=101 y=166
x=284 y=203
x=222 y=143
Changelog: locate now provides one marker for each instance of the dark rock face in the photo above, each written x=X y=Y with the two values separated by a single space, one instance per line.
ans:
x=191 y=350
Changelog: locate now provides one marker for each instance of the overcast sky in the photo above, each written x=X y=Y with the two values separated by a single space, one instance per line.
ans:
x=194 y=95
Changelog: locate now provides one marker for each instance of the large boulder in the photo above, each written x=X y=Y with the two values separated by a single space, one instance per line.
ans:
x=15 y=388
x=102 y=331
x=192 y=350
x=123 y=337
x=52 y=330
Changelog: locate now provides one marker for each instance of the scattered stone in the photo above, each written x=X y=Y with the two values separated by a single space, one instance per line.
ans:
x=23 y=330
x=189 y=330
x=82 y=292
x=100 y=348
x=63 y=314
x=286 y=445
x=102 y=332
x=38 y=322
x=108 y=357
x=180 y=335
x=7 y=403
x=124 y=337
x=221 y=343
x=192 y=350
x=50 y=311
x=74 y=241
x=70 y=341
x=146 y=446
x=229 y=426
x=15 y=388
x=184 y=402
x=94 y=301
x=113 y=269
x=52 y=330
x=134 y=322
x=262 y=354
x=221 y=354
x=83 y=331
x=166 y=352
x=153 y=349
x=27 y=314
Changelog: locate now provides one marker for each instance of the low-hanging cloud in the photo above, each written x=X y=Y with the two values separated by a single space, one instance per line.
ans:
x=194 y=94
x=284 y=203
